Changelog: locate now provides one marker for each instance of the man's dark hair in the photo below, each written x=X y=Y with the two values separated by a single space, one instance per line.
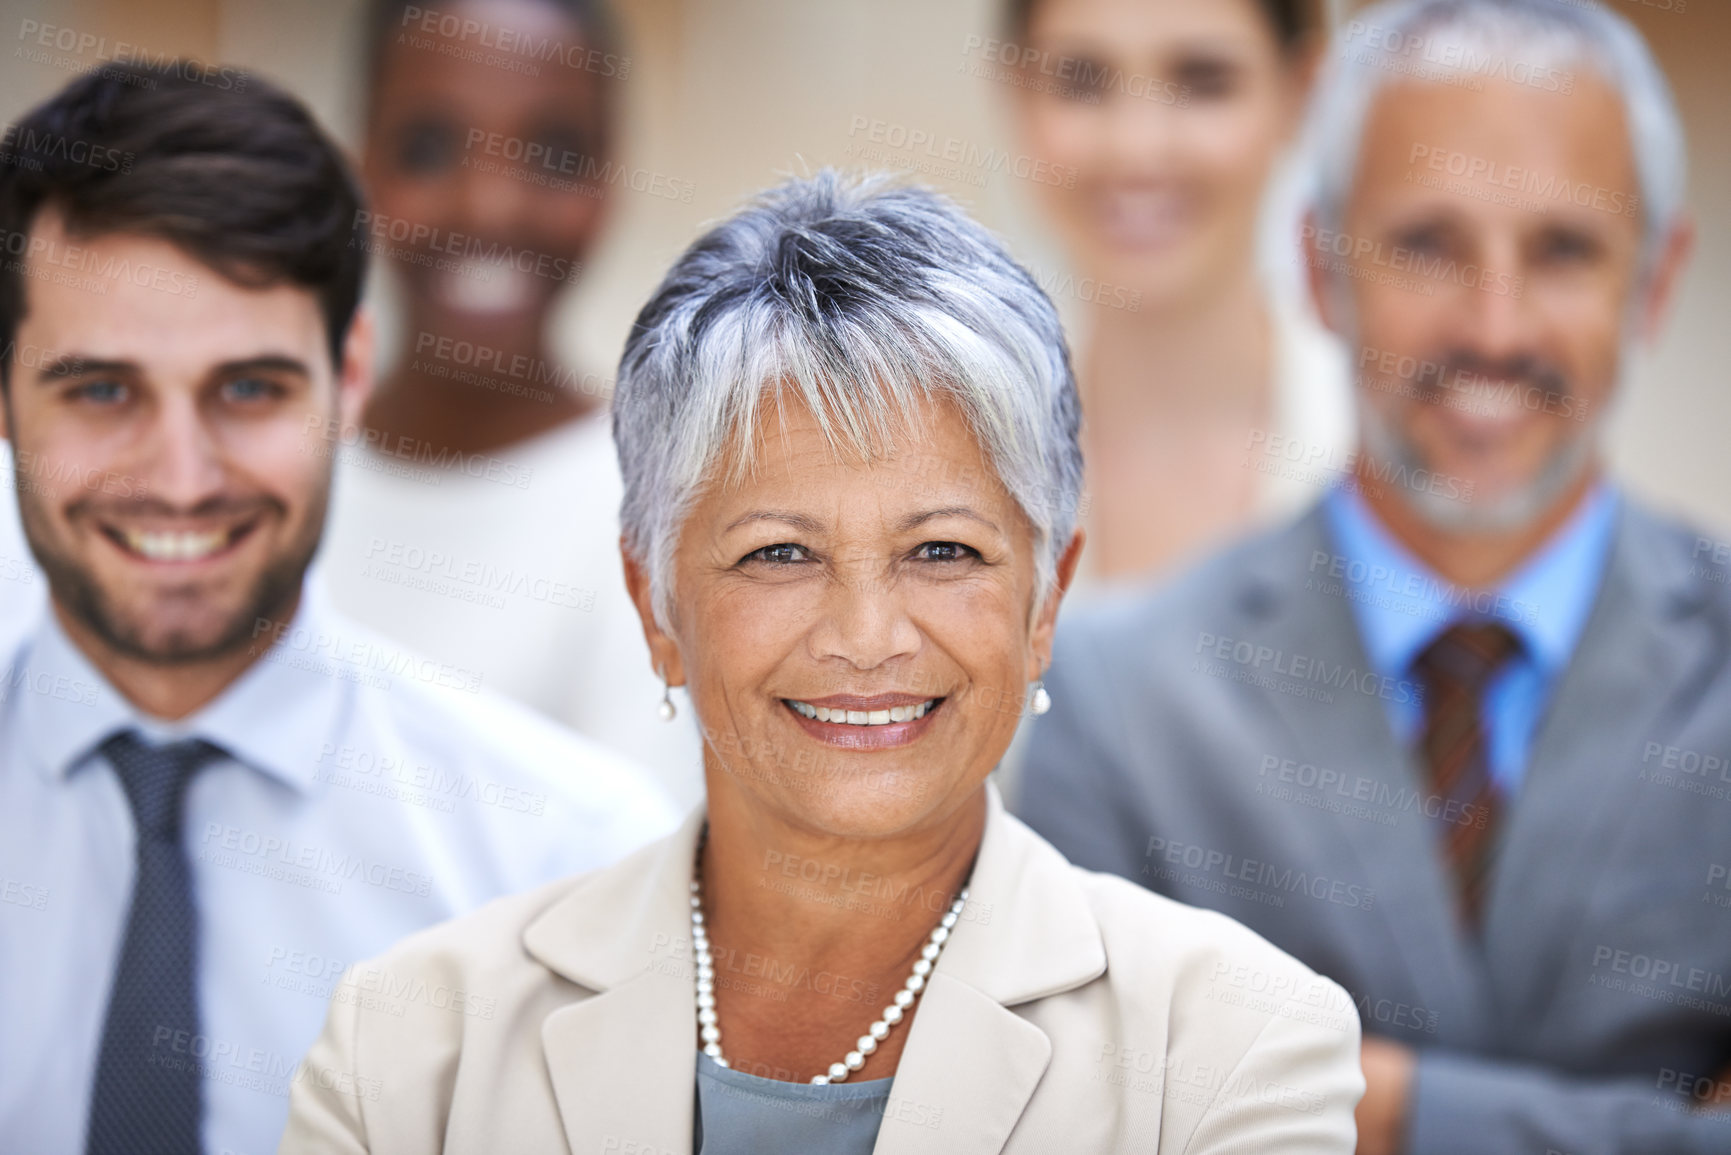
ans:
x=239 y=177
x=1292 y=21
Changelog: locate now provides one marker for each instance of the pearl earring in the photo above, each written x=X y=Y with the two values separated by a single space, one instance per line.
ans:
x=1042 y=700
x=668 y=710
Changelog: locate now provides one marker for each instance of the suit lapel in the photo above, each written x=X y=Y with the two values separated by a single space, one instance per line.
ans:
x=1352 y=735
x=623 y=1062
x=623 y=1066
x=1642 y=662
x=1027 y=931
x=967 y=1074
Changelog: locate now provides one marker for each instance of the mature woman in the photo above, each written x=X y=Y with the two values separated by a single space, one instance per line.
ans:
x=849 y=439
x=1173 y=114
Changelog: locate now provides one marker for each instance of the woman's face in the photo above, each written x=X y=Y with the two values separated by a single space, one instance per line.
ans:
x=898 y=594
x=1171 y=113
x=481 y=164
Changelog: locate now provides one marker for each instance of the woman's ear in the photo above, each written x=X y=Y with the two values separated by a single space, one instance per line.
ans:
x=663 y=651
x=1046 y=622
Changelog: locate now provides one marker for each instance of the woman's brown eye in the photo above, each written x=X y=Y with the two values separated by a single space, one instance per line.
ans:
x=946 y=551
x=425 y=148
x=1207 y=79
x=783 y=554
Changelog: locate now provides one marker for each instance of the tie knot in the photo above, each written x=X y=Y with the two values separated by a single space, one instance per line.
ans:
x=155 y=778
x=1467 y=655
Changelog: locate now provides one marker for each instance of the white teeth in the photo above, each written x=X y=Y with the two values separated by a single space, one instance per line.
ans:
x=175 y=546
x=863 y=717
x=488 y=286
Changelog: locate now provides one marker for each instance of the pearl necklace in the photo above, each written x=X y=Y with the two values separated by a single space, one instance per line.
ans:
x=710 y=1032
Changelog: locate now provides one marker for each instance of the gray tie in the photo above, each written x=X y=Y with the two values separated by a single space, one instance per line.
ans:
x=147 y=1093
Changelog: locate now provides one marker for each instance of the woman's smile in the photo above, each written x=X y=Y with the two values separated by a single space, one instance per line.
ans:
x=880 y=722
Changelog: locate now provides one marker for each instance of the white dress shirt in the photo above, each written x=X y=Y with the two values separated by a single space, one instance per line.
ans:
x=369 y=793
x=22 y=586
x=507 y=564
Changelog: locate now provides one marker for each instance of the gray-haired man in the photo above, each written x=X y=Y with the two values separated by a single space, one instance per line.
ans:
x=1457 y=738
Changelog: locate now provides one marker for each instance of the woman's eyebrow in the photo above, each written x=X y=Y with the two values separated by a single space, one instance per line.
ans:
x=913 y=521
x=798 y=521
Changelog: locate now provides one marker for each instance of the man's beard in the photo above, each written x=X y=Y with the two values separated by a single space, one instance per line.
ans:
x=82 y=597
x=1518 y=509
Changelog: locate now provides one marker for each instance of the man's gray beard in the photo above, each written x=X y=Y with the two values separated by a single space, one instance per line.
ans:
x=1513 y=511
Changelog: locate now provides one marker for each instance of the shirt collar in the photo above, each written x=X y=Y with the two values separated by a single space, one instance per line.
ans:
x=1401 y=604
x=275 y=717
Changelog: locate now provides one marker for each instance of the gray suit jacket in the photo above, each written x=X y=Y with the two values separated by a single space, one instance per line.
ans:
x=1222 y=741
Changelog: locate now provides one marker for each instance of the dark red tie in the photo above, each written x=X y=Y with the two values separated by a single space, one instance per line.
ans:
x=1455 y=669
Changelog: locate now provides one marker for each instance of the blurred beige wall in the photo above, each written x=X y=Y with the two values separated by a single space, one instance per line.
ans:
x=730 y=95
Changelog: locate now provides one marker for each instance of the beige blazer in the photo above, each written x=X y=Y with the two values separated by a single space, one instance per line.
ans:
x=1070 y=1012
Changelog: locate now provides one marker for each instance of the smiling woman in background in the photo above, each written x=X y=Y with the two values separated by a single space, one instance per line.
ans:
x=848 y=433
x=477 y=522
x=1172 y=114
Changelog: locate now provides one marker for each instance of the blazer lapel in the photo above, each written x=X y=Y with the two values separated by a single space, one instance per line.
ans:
x=971 y=1063
x=623 y=1062
x=1352 y=734
x=623 y=1066
x=968 y=1072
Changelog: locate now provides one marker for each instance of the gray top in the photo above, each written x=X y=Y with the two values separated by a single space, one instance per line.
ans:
x=740 y=1114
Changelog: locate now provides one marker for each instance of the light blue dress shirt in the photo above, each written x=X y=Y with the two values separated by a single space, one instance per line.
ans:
x=370 y=793
x=1401 y=606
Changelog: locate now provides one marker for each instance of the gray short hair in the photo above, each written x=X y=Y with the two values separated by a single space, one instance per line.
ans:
x=861 y=297
x=1451 y=41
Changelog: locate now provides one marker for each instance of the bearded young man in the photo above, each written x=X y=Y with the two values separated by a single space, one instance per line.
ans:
x=215 y=793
